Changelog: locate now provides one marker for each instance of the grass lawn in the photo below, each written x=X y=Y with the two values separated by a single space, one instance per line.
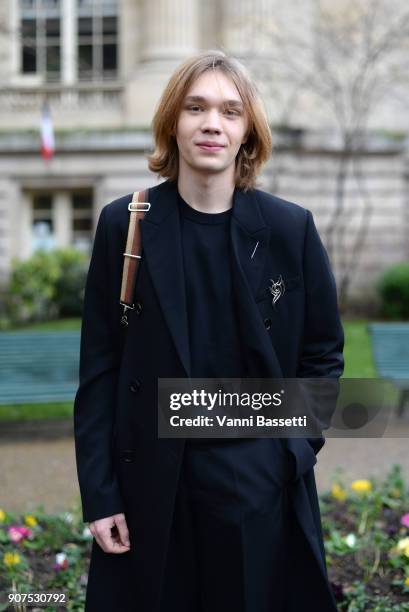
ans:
x=357 y=353
x=30 y=412
x=61 y=325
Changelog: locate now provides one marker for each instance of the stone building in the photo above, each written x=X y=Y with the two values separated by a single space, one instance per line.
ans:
x=101 y=65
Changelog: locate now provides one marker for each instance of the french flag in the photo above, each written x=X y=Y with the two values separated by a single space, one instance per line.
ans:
x=47 y=133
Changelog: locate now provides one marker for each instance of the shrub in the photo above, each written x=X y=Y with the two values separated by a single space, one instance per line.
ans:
x=70 y=285
x=393 y=290
x=46 y=286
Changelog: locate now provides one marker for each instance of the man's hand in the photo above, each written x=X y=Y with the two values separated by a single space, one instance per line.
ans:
x=111 y=533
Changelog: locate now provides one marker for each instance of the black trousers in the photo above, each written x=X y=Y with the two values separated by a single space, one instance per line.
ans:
x=228 y=537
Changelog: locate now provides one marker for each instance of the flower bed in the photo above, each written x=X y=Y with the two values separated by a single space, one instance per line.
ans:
x=366 y=532
x=42 y=552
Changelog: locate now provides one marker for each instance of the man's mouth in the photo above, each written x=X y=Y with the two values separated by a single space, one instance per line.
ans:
x=210 y=147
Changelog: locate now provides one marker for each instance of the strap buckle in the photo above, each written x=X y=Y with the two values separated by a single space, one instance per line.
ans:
x=124 y=318
x=133 y=206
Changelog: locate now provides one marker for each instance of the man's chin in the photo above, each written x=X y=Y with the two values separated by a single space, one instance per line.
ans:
x=209 y=168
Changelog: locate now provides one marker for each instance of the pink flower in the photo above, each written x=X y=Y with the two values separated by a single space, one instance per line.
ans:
x=405 y=520
x=16 y=533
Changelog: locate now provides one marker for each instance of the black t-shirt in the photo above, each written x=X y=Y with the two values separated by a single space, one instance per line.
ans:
x=214 y=338
x=213 y=330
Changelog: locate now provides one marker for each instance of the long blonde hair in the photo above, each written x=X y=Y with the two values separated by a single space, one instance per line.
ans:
x=252 y=154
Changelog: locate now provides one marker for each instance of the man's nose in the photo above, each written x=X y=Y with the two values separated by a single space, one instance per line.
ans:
x=211 y=122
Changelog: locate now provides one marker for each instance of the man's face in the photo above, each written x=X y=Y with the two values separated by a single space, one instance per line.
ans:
x=212 y=125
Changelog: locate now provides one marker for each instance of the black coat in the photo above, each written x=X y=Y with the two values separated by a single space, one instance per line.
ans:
x=122 y=465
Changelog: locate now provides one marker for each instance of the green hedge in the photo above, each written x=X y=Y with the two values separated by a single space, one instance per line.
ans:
x=393 y=289
x=48 y=285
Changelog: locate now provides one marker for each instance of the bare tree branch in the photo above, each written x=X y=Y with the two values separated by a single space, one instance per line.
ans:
x=354 y=57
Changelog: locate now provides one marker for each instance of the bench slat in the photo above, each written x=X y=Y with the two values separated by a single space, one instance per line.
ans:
x=390 y=347
x=38 y=367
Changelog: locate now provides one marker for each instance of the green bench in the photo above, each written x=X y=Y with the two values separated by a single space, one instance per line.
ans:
x=390 y=346
x=38 y=367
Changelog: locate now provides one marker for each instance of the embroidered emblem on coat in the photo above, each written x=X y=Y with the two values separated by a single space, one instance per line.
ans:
x=277 y=288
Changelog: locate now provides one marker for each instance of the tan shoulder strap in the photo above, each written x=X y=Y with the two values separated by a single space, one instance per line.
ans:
x=138 y=207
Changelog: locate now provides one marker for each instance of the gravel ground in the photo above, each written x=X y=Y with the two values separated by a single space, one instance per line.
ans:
x=42 y=471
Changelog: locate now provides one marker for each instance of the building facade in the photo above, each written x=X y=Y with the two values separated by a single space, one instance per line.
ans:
x=101 y=66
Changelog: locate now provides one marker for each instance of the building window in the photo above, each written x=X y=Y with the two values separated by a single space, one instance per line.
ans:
x=62 y=219
x=81 y=207
x=97 y=40
x=40 y=27
x=43 y=223
x=88 y=47
x=42 y=210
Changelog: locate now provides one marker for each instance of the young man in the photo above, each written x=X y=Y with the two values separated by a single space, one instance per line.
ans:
x=204 y=525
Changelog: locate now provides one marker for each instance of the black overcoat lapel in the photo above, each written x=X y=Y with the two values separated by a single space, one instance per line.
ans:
x=250 y=245
x=162 y=247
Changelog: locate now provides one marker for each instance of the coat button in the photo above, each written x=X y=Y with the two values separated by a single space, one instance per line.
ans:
x=138 y=308
x=127 y=456
x=135 y=385
x=267 y=323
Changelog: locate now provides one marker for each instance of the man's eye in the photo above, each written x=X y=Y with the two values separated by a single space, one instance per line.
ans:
x=196 y=107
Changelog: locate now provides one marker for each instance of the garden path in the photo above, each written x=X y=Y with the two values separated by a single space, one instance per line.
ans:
x=41 y=470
